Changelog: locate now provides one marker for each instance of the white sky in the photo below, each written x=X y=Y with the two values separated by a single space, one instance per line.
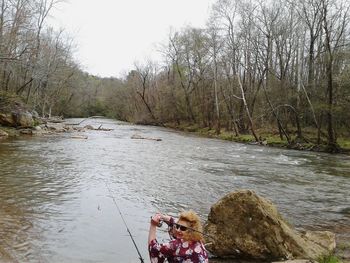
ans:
x=112 y=34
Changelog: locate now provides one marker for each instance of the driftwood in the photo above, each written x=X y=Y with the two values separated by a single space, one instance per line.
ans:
x=92 y=117
x=84 y=137
x=103 y=129
x=89 y=127
x=139 y=137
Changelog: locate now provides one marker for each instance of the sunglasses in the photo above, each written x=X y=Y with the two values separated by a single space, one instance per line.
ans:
x=180 y=227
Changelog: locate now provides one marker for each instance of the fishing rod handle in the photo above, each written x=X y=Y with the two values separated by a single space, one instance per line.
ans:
x=159 y=224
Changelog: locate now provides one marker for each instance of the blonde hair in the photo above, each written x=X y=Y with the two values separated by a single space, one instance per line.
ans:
x=195 y=225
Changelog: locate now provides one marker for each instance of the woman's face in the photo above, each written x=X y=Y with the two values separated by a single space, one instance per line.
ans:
x=180 y=227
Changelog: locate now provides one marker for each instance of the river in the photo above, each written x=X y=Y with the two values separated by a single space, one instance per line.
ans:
x=56 y=191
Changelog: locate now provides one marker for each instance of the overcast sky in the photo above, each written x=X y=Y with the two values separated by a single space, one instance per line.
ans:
x=112 y=34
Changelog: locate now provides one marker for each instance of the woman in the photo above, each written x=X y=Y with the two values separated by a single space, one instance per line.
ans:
x=187 y=245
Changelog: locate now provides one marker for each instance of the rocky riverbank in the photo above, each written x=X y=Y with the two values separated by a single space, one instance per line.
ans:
x=46 y=128
x=19 y=122
x=17 y=119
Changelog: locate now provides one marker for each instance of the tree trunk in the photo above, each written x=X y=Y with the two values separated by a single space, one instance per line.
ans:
x=276 y=116
x=331 y=138
x=247 y=110
x=218 y=123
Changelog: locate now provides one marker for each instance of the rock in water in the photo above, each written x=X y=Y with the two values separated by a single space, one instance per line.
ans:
x=88 y=127
x=244 y=225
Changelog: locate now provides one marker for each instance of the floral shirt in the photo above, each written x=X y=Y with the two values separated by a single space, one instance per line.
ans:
x=177 y=251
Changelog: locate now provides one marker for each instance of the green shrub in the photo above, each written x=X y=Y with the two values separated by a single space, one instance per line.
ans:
x=344 y=143
x=329 y=259
x=226 y=136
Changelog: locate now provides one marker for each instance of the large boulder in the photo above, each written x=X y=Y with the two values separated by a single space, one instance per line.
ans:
x=24 y=119
x=17 y=118
x=13 y=112
x=244 y=225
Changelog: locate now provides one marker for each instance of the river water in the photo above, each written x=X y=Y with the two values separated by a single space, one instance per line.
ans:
x=56 y=191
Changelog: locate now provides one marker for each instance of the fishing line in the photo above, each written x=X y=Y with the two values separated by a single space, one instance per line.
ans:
x=127 y=228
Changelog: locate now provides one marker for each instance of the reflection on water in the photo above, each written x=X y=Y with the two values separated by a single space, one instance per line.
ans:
x=55 y=207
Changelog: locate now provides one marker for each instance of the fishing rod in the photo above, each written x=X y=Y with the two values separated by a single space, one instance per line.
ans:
x=127 y=228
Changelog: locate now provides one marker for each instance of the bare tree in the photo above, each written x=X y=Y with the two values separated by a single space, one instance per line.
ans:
x=335 y=20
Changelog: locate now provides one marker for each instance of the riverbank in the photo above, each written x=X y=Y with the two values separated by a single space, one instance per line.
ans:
x=268 y=138
x=48 y=128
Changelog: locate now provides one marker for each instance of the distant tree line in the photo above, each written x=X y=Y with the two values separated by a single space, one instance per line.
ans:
x=36 y=62
x=282 y=64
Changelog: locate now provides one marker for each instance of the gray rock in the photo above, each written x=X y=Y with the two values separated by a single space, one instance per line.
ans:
x=37 y=128
x=244 y=225
x=35 y=114
x=24 y=119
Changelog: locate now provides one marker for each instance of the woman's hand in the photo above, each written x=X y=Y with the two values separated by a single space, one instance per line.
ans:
x=153 y=227
x=155 y=220
x=158 y=217
x=166 y=218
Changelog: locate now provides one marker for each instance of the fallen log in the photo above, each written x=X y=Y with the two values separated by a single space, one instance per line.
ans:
x=89 y=127
x=139 y=137
x=92 y=117
x=84 y=137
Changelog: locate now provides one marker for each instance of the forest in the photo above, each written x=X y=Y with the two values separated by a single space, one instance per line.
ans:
x=258 y=70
